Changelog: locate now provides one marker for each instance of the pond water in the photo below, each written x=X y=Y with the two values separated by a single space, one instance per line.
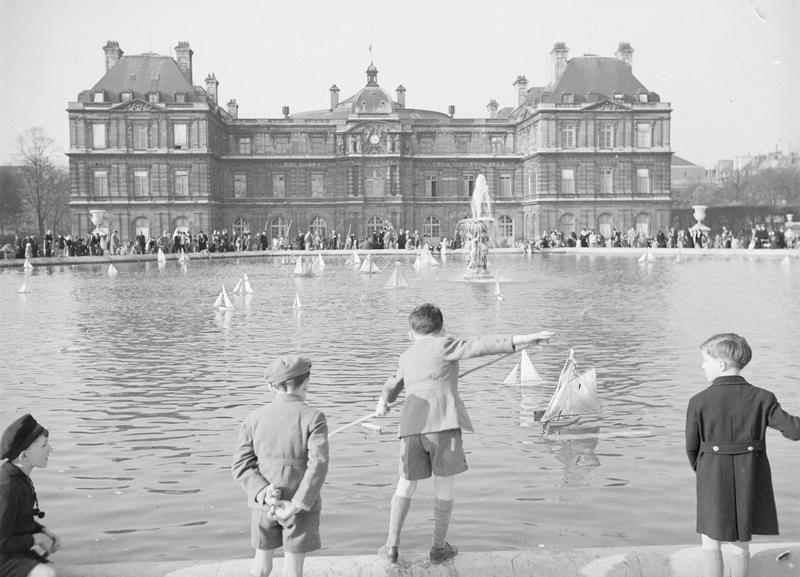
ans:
x=143 y=385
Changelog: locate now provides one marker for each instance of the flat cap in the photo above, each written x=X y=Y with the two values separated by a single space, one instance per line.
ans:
x=19 y=435
x=286 y=367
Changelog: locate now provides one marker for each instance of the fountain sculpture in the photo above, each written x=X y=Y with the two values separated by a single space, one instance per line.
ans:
x=478 y=232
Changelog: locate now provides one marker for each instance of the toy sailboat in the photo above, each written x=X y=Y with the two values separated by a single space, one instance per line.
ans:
x=523 y=372
x=396 y=281
x=678 y=257
x=425 y=258
x=23 y=289
x=575 y=396
x=303 y=268
x=243 y=286
x=319 y=265
x=297 y=304
x=162 y=258
x=353 y=259
x=417 y=262
x=223 y=300
x=369 y=267
x=443 y=251
x=785 y=261
x=27 y=265
x=112 y=270
x=499 y=293
x=647 y=256
x=183 y=258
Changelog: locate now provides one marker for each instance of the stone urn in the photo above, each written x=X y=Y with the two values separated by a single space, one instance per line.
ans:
x=98 y=218
x=699 y=212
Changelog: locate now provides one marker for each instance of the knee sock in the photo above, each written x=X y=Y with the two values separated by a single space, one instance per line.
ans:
x=712 y=562
x=441 y=521
x=397 y=516
x=740 y=564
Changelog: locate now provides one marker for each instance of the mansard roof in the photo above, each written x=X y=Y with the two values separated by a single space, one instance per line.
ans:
x=143 y=74
x=588 y=78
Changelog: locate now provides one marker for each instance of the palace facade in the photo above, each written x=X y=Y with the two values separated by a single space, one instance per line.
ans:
x=150 y=152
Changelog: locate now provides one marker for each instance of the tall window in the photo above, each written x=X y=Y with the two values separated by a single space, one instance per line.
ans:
x=319 y=227
x=152 y=97
x=278 y=186
x=140 y=183
x=643 y=224
x=374 y=225
x=568 y=135
x=240 y=226
x=99 y=97
x=140 y=136
x=431 y=228
x=100 y=187
x=505 y=185
x=181 y=183
x=606 y=181
x=373 y=182
x=278 y=227
x=281 y=144
x=98 y=135
x=644 y=136
x=426 y=143
x=469 y=185
x=498 y=144
x=505 y=226
x=430 y=185
x=141 y=225
x=567 y=181
x=643 y=180
x=317 y=189
x=179 y=135
x=566 y=224
x=239 y=185
x=606 y=135
x=244 y=145
x=462 y=142
x=181 y=224
x=604 y=224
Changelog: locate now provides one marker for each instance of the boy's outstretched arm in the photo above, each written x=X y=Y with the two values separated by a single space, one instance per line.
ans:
x=540 y=338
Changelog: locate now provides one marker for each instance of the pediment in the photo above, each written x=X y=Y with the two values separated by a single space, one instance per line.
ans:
x=135 y=105
x=606 y=104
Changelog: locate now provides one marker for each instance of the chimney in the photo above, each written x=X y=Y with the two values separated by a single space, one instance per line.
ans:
x=625 y=53
x=451 y=110
x=491 y=108
x=113 y=53
x=559 y=55
x=233 y=108
x=522 y=89
x=183 y=55
x=211 y=87
x=285 y=112
x=401 y=96
x=334 y=96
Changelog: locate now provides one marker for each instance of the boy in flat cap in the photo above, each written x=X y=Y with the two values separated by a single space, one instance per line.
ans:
x=281 y=459
x=24 y=542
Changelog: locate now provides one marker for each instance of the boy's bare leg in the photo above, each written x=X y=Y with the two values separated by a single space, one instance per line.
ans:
x=293 y=564
x=712 y=557
x=262 y=563
x=740 y=559
x=43 y=570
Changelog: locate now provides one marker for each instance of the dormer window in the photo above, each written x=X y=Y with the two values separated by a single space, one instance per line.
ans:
x=98 y=96
x=643 y=97
x=618 y=96
x=180 y=97
x=152 y=97
x=127 y=96
x=568 y=98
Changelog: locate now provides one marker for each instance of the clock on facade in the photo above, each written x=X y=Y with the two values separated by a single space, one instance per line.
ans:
x=374 y=139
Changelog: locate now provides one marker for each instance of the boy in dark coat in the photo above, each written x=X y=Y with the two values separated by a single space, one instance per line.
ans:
x=432 y=418
x=725 y=443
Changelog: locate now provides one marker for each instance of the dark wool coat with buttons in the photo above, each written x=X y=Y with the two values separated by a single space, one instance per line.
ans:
x=725 y=432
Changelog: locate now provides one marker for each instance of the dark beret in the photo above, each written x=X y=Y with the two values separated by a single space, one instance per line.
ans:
x=19 y=435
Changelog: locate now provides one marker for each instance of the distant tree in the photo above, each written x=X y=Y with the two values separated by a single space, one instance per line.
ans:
x=10 y=197
x=43 y=183
x=776 y=188
x=705 y=192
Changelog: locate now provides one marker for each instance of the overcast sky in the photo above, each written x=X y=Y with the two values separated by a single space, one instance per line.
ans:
x=730 y=68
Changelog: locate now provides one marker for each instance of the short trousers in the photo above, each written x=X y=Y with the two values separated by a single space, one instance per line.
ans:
x=440 y=453
x=302 y=537
x=19 y=565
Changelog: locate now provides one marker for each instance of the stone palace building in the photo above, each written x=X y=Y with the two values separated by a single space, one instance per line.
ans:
x=150 y=151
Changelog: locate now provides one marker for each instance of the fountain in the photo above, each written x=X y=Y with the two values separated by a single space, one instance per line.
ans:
x=478 y=232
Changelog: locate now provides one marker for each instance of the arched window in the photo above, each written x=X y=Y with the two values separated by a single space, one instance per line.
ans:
x=643 y=224
x=604 y=224
x=180 y=224
x=431 y=228
x=318 y=227
x=374 y=225
x=141 y=225
x=505 y=227
x=278 y=227
x=240 y=226
x=566 y=224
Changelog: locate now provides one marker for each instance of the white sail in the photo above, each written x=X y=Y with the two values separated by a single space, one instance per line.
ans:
x=647 y=256
x=785 y=261
x=23 y=288
x=513 y=376
x=353 y=259
x=223 y=300
x=417 y=263
x=527 y=372
x=297 y=304
x=367 y=266
x=112 y=270
x=302 y=268
x=161 y=257
x=246 y=288
x=678 y=256
x=574 y=395
x=182 y=258
x=320 y=261
x=426 y=258
x=396 y=280
x=444 y=251
x=237 y=290
x=27 y=264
